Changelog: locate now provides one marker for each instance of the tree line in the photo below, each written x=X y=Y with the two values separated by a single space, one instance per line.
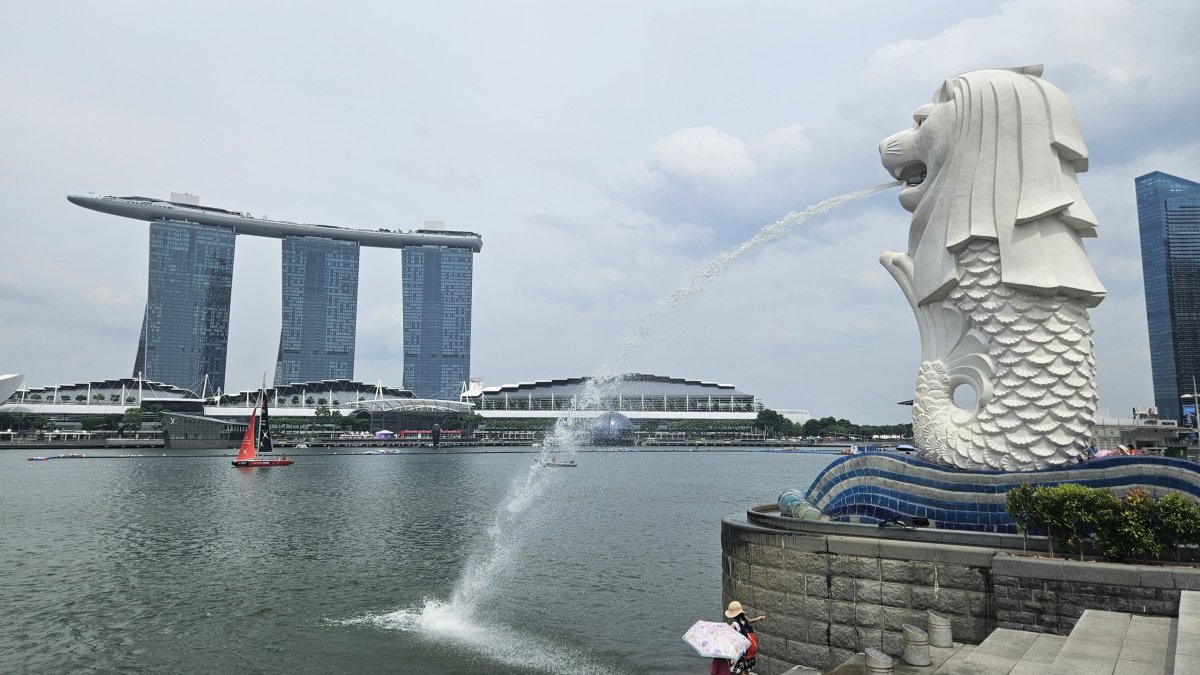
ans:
x=776 y=425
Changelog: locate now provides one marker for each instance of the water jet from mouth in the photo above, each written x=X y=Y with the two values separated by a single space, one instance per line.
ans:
x=498 y=557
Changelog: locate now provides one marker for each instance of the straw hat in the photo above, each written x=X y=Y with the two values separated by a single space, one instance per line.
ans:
x=733 y=610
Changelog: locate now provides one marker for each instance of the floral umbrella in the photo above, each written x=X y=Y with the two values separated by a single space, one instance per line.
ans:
x=716 y=640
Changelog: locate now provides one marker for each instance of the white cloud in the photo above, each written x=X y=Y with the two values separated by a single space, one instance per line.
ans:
x=783 y=149
x=701 y=155
x=601 y=177
x=105 y=295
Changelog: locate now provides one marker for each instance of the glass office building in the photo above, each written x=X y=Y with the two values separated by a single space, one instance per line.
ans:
x=1169 y=222
x=320 y=309
x=437 y=320
x=185 y=330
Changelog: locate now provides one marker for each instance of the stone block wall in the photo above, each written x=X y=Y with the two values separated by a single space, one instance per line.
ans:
x=828 y=596
x=1049 y=596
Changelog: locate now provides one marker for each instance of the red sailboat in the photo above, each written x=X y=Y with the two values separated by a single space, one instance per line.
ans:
x=254 y=443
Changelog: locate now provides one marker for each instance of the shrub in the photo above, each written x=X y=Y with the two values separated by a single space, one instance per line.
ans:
x=1130 y=532
x=1137 y=527
x=1177 y=521
x=1069 y=511
x=1020 y=503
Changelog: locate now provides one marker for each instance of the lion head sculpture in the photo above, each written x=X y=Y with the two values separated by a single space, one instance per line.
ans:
x=994 y=156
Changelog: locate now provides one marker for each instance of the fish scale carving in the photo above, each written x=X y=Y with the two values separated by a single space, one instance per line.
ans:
x=1041 y=424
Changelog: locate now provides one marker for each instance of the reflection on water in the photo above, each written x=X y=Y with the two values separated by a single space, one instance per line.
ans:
x=336 y=564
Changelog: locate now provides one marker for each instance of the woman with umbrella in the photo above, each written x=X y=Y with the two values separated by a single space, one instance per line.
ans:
x=718 y=641
x=741 y=623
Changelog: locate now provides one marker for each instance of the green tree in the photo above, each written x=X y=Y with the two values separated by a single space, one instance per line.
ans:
x=1177 y=521
x=1127 y=531
x=468 y=421
x=323 y=416
x=1069 y=510
x=102 y=423
x=132 y=419
x=1021 y=505
x=774 y=424
x=23 y=422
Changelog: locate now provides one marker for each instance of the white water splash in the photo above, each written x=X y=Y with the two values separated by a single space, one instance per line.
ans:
x=444 y=622
x=456 y=619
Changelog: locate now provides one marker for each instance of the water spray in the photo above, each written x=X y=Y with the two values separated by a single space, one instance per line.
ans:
x=456 y=616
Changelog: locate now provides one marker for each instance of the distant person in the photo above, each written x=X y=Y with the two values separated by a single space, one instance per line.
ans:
x=741 y=623
x=1091 y=450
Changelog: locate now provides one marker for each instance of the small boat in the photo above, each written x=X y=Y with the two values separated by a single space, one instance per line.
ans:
x=44 y=458
x=254 y=443
x=570 y=463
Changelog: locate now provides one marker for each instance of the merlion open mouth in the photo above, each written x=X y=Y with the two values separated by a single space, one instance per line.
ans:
x=912 y=174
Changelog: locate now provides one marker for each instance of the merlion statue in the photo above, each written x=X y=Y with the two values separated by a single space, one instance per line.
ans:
x=996 y=272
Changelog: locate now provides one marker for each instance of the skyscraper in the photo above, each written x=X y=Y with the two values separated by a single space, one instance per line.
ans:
x=320 y=309
x=1169 y=223
x=437 y=320
x=185 y=330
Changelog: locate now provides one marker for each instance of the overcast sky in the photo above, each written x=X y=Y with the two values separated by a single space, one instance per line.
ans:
x=605 y=151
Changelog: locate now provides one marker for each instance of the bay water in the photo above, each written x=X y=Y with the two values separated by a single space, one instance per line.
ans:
x=346 y=563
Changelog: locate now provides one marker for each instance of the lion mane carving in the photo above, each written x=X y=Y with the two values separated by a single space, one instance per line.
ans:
x=996 y=271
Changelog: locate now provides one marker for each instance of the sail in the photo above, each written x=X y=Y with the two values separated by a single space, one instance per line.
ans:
x=264 y=436
x=247 y=449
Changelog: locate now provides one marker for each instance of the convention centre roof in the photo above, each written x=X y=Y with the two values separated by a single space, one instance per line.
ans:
x=632 y=384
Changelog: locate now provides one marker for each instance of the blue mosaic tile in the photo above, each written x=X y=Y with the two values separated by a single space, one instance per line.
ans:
x=876 y=486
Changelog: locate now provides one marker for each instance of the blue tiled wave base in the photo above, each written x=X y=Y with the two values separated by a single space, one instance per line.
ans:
x=877 y=487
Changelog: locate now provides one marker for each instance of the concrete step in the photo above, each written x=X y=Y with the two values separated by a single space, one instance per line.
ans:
x=1186 y=651
x=1117 y=643
x=954 y=663
x=997 y=655
x=1040 y=655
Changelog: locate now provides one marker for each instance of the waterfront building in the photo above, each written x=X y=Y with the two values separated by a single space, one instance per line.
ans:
x=320 y=308
x=437 y=290
x=1169 y=223
x=185 y=327
x=660 y=408
x=80 y=400
x=68 y=406
x=185 y=331
x=636 y=395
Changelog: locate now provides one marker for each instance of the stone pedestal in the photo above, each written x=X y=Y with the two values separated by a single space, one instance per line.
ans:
x=939 y=630
x=916 y=645
x=879 y=663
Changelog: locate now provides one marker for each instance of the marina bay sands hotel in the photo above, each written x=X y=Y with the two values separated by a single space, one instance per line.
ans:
x=185 y=329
